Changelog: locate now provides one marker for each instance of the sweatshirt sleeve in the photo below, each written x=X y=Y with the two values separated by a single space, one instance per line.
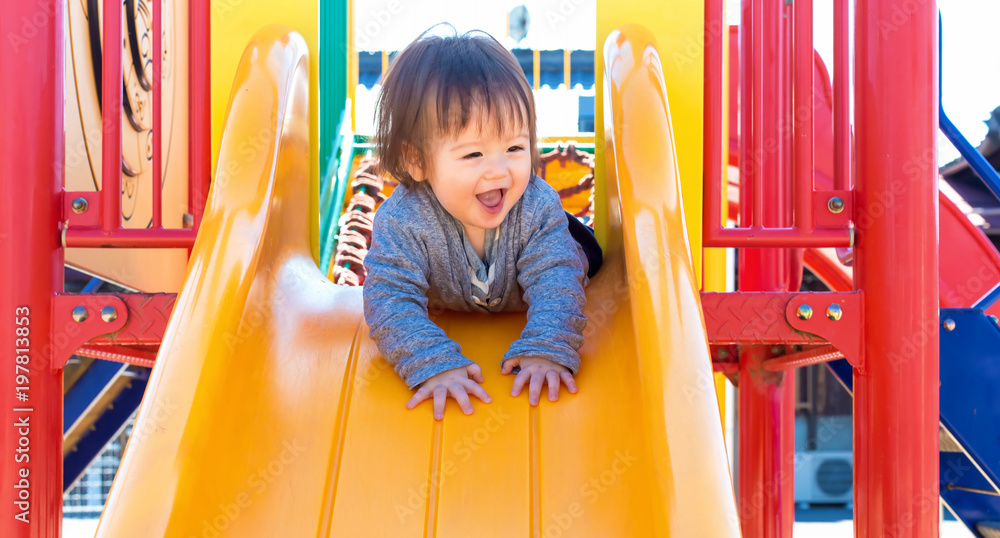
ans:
x=395 y=302
x=552 y=276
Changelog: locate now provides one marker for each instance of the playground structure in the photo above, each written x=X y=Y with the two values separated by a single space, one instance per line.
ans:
x=269 y=412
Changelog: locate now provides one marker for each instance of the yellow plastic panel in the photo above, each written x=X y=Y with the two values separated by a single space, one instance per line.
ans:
x=233 y=23
x=678 y=27
x=271 y=413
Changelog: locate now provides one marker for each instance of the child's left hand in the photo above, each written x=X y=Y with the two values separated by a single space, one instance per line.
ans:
x=537 y=372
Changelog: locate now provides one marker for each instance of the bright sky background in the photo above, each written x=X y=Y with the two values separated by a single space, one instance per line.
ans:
x=971 y=66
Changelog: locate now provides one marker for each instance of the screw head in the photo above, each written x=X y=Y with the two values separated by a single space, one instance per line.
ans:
x=836 y=204
x=834 y=312
x=948 y=324
x=109 y=314
x=994 y=319
x=804 y=312
x=79 y=314
x=723 y=354
x=79 y=205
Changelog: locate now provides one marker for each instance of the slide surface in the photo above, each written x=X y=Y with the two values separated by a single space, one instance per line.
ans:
x=271 y=413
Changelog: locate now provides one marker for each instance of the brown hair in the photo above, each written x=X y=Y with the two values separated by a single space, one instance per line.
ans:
x=464 y=74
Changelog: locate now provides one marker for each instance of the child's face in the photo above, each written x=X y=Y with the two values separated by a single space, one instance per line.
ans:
x=478 y=174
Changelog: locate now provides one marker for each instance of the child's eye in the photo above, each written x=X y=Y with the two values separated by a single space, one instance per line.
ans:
x=473 y=155
x=515 y=148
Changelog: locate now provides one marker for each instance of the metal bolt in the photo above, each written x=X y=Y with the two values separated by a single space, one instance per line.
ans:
x=79 y=314
x=994 y=319
x=804 y=312
x=723 y=354
x=949 y=325
x=777 y=350
x=109 y=314
x=80 y=205
x=836 y=204
x=834 y=312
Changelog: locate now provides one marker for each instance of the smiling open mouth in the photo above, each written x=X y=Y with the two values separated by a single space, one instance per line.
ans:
x=492 y=200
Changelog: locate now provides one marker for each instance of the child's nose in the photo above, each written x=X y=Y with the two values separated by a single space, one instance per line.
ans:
x=496 y=169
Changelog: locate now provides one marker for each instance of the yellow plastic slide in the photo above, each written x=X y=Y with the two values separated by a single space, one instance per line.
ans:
x=270 y=413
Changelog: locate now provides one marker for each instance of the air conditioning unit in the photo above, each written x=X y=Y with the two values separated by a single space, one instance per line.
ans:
x=824 y=477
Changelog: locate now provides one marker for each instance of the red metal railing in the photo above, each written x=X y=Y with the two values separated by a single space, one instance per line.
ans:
x=806 y=230
x=110 y=232
x=841 y=97
x=155 y=26
x=200 y=95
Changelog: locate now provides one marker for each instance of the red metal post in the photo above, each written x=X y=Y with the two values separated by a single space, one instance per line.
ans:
x=716 y=35
x=802 y=115
x=841 y=97
x=779 y=237
x=746 y=59
x=896 y=264
x=130 y=238
x=157 y=30
x=753 y=165
x=199 y=114
x=31 y=265
x=765 y=446
x=111 y=118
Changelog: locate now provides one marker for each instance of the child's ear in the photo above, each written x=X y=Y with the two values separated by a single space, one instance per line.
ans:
x=412 y=162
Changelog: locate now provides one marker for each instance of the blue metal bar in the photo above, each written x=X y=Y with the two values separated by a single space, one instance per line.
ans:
x=92 y=286
x=987 y=300
x=975 y=159
x=110 y=423
x=87 y=389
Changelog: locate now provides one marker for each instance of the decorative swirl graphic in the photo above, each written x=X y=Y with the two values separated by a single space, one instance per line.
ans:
x=137 y=101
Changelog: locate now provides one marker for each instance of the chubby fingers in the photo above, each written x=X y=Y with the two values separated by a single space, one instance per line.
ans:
x=458 y=392
x=567 y=379
x=508 y=366
x=535 y=386
x=477 y=390
x=520 y=379
x=475 y=373
x=422 y=394
x=552 y=380
x=440 y=396
x=537 y=378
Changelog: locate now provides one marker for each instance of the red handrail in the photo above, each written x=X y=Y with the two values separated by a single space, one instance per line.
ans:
x=804 y=232
x=155 y=28
x=111 y=114
x=802 y=114
x=714 y=88
x=841 y=98
x=110 y=233
x=200 y=112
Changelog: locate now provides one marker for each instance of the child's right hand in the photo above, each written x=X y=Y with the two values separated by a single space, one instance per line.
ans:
x=458 y=383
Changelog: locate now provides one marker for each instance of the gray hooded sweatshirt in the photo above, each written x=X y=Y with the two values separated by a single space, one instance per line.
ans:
x=418 y=260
